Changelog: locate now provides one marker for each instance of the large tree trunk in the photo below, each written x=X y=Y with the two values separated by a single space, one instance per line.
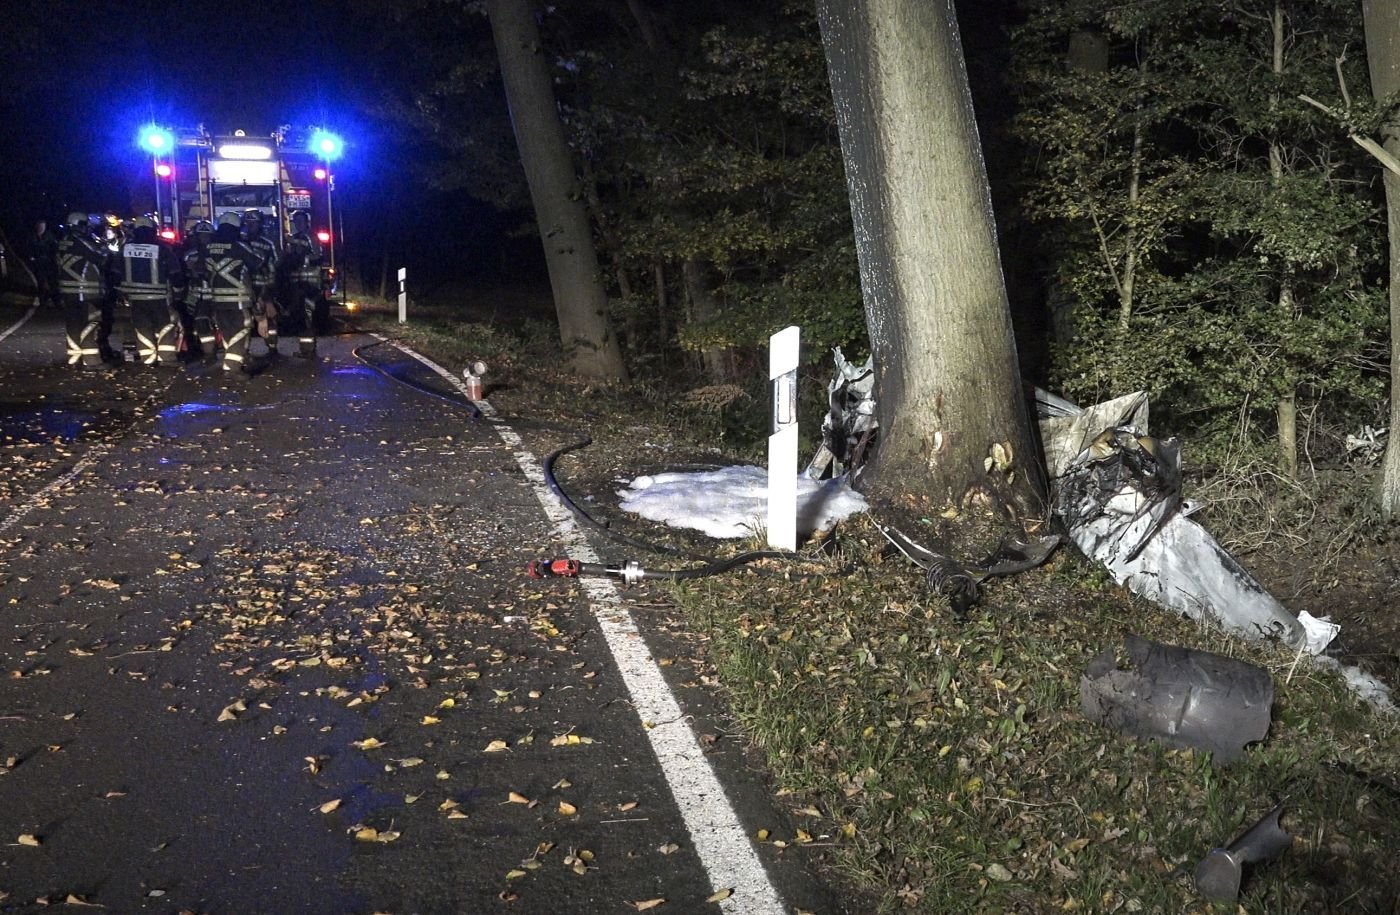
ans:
x=1383 y=55
x=953 y=418
x=580 y=300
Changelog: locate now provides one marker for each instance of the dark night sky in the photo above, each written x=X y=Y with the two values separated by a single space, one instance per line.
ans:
x=82 y=78
x=93 y=73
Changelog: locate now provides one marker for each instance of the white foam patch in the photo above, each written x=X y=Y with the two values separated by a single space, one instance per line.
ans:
x=732 y=502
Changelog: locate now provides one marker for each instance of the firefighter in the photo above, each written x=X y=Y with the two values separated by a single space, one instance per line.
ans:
x=43 y=262
x=301 y=268
x=232 y=266
x=149 y=271
x=82 y=277
x=197 y=310
x=265 y=311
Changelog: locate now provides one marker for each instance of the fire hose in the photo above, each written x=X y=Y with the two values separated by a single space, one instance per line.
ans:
x=630 y=571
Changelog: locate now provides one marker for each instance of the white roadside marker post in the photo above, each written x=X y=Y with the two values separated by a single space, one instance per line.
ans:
x=782 y=443
x=403 y=296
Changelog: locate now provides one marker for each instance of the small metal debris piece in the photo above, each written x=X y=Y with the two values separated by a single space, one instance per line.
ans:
x=1178 y=696
x=1219 y=873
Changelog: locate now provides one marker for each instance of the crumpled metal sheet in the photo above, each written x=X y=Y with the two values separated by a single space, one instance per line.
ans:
x=1120 y=500
x=1219 y=873
x=850 y=418
x=1178 y=696
x=1066 y=429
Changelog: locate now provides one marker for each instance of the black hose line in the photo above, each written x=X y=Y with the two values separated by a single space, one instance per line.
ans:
x=710 y=565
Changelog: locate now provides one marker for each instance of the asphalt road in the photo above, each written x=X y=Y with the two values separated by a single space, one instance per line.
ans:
x=266 y=646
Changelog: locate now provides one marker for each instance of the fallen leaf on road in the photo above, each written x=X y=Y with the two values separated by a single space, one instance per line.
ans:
x=647 y=904
x=328 y=806
x=515 y=798
x=29 y=839
x=496 y=746
x=429 y=719
x=232 y=711
x=567 y=809
x=721 y=895
x=369 y=743
x=515 y=874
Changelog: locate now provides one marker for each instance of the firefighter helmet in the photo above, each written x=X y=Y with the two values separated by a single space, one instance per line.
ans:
x=252 y=216
x=230 y=219
x=112 y=219
x=204 y=227
x=301 y=216
x=77 y=219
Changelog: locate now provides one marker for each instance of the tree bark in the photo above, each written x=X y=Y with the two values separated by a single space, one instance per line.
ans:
x=1287 y=410
x=953 y=418
x=1382 y=18
x=580 y=300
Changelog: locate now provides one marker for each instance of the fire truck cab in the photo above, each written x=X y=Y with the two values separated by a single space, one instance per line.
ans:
x=201 y=176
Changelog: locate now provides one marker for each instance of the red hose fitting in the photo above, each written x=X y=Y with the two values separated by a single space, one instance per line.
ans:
x=554 y=568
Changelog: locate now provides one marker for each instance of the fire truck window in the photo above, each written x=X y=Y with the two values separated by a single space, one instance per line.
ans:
x=245 y=197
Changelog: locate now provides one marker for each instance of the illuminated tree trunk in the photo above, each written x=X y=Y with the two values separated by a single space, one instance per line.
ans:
x=1287 y=410
x=1383 y=55
x=953 y=419
x=580 y=300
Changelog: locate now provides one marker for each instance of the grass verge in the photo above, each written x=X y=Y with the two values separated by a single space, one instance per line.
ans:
x=943 y=766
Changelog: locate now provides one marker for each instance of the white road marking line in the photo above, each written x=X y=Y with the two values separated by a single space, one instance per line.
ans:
x=20 y=323
x=724 y=849
x=38 y=498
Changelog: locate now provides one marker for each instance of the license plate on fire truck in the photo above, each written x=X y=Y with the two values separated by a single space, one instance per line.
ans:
x=298 y=201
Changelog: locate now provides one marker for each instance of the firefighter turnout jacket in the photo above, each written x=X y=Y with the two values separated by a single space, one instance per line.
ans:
x=148 y=272
x=231 y=266
x=82 y=267
x=302 y=260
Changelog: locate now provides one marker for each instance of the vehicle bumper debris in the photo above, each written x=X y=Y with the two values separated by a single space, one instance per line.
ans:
x=1178 y=696
x=1219 y=874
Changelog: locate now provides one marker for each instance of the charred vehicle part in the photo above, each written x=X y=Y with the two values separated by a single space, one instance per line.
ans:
x=1220 y=873
x=1178 y=696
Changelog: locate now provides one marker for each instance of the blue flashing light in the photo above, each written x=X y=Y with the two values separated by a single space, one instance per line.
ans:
x=327 y=145
x=157 y=140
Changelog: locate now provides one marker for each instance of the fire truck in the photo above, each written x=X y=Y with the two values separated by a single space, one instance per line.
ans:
x=199 y=176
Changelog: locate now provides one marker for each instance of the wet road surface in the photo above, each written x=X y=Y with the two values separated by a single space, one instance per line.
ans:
x=266 y=646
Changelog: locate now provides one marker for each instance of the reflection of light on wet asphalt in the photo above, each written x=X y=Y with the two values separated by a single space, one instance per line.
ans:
x=186 y=409
x=45 y=425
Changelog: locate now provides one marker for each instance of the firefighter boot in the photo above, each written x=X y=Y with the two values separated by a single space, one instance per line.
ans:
x=167 y=343
x=306 y=339
x=235 y=326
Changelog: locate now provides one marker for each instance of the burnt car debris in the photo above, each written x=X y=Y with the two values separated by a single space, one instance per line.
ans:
x=1220 y=873
x=1177 y=696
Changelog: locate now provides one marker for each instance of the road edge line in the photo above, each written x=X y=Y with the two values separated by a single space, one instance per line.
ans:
x=724 y=848
x=20 y=323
